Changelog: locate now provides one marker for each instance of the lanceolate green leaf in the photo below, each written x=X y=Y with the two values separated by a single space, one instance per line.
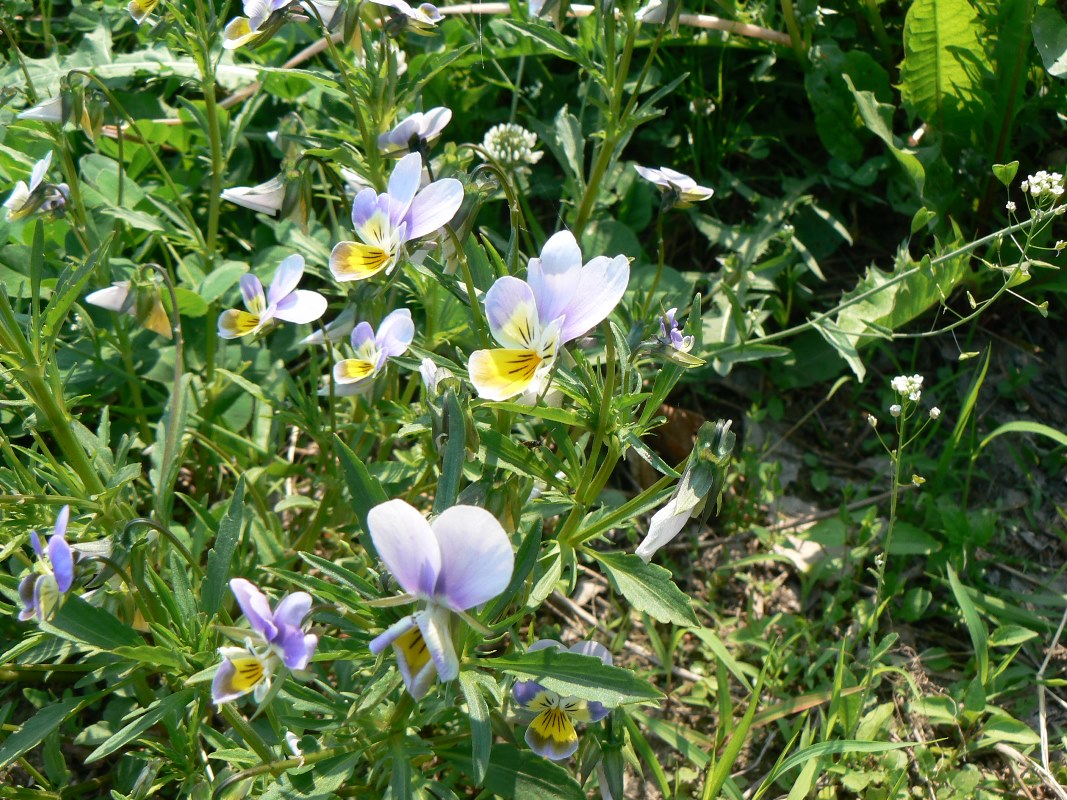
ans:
x=944 y=62
x=520 y=773
x=218 y=560
x=570 y=674
x=648 y=588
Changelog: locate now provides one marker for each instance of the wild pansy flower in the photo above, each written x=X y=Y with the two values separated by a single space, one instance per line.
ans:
x=263 y=18
x=43 y=589
x=419 y=20
x=531 y=319
x=265 y=197
x=373 y=350
x=460 y=560
x=551 y=733
x=703 y=478
x=38 y=196
x=680 y=191
x=283 y=302
x=140 y=10
x=386 y=222
x=54 y=109
x=334 y=331
x=143 y=303
x=279 y=639
x=413 y=133
x=671 y=334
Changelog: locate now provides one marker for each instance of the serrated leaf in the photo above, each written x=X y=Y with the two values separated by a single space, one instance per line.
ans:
x=572 y=675
x=648 y=587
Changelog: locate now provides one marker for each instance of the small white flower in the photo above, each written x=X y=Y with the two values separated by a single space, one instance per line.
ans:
x=512 y=146
x=894 y=410
x=1010 y=206
x=685 y=190
x=1044 y=184
x=910 y=387
x=872 y=420
x=50 y=110
x=935 y=412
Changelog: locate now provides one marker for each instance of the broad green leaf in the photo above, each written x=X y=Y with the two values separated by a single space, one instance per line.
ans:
x=1050 y=36
x=945 y=63
x=218 y=560
x=364 y=489
x=78 y=621
x=1010 y=635
x=171 y=703
x=33 y=731
x=878 y=117
x=481 y=732
x=1005 y=173
x=520 y=774
x=648 y=588
x=570 y=674
x=1002 y=728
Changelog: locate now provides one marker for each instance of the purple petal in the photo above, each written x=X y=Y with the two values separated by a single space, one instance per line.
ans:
x=554 y=277
x=292 y=609
x=434 y=622
x=403 y=184
x=222 y=688
x=395 y=333
x=511 y=310
x=297 y=647
x=525 y=691
x=433 y=207
x=596 y=711
x=62 y=519
x=601 y=285
x=363 y=207
x=27 y=595
x=392 y=633
x=594 y=649
x=476 y=557
x=361 y=334
x=252 y=292
x=301 y=306
x=285 y=279
x=407 y=545
x=62 y=559
x=35 y=541
x=255 y=607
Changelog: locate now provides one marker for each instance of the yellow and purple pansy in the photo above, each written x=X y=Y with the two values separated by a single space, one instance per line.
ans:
x=283 y=302
x=531 y=319
x=373 y=351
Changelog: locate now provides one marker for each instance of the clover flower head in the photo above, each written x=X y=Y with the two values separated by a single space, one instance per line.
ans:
x=143 y=303
x=908 y=386
x=421 y=19
x=42 y=590
x=54 y=109
x=1044 y=184
x=373 y=351
x=416 y=131
x=385 y=222
x=460 y=560
x=267 y=198
x=680 y=191
x=141 y=10
x=38 y=196
x=671 y=334
x=283 y=302
x=531 y=319
x=261 y=21
x=551 y=733
x=512 y=146
x=279 y=639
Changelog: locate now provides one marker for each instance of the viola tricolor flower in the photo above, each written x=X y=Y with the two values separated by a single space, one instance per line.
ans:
x=551 y=733
x=415 y=132
x=531 y=319
x=421 y=19
x=38 y=196
x=266 y=197
x=53 y=575
x=141 y=9
x=283 y=302
x=373 y=350
x=386 y=222
x=460 y=560
x=680 y=190
x=262 y=19
x=143 y=303
x=54 y=109
x=671 y=334
x=279 y=639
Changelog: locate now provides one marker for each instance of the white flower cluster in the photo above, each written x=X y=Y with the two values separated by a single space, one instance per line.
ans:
x=512 y=145
x=912 y=386
x=1043 y=183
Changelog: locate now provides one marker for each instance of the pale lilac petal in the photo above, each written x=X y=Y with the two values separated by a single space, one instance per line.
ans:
x=524 y=692
x=392 y=633
x=400 y=136
x=601 y=285
x=62 y=559
x=653 y=175
x=286 y=278
x=433 y=622
x=113 y=298
x=364 y=205
x=362 y=334
x=511 y=309
x=596 y=711
x=297 y=647
x=403 y=184
x=222 y=688
x=594 y=649
x=406 y=545
x=664 y=526
x=255 y=607
x=292 y=609
x=40 y=169
x=35 y=542
x=476 y=557
x=434 y=206
x=252 y=292
x=395 y=333
x=434 y=121
x=554 y=276
x=334 y=331
x=27 y=595
x=301 y=307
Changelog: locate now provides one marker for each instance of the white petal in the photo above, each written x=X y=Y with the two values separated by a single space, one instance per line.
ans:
x=301 y=307
x=554 y=276
x=476 y=557
x=601 y=285
x=407 y=545
x=664 y=526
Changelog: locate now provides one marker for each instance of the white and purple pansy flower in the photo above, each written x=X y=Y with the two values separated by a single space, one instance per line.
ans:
x=53 y=575
x=373 y=351
x=419 y=19
x=531 y=319
x=279 y=639
x=551 y=732
x=283 y=302
x=416 y=131
x=385 y=222
x=38 y=195
x=671 y=333
x=262 y=18
x=460 y=560
x=267 y=198
x=682 y=190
